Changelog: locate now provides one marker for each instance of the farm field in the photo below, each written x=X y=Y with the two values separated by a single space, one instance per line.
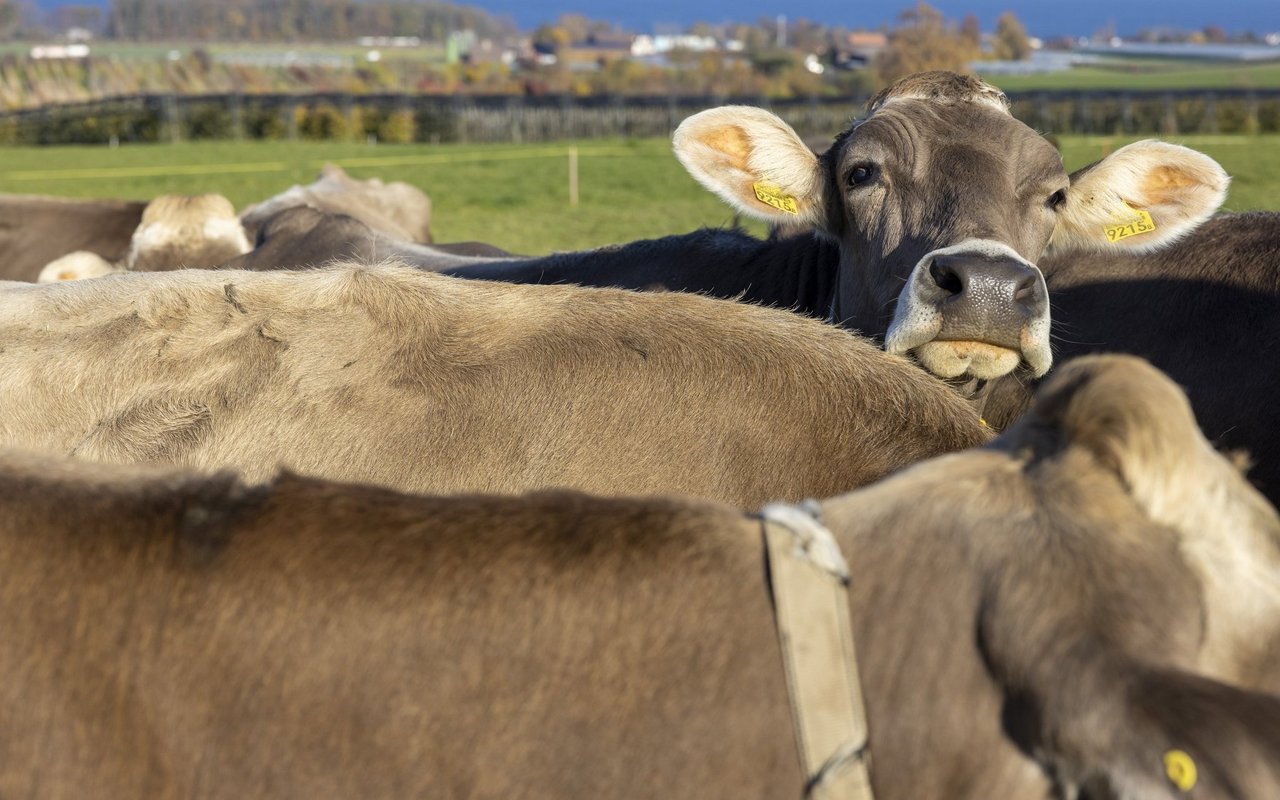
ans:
x=1140 y=75
x=513 y=196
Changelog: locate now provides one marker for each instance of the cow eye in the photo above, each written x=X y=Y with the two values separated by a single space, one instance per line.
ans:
x=861 y=174
x=1057 y=199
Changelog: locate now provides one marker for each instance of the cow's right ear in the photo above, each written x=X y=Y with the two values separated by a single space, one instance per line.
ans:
x=754 y=161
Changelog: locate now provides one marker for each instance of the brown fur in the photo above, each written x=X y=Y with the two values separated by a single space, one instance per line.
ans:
x=425 y=382
x=301 y=236
x=733 y=143
x=186 y=231
x=1021 y=623
x=940 y=87
x=36 y=230
x=395 y=209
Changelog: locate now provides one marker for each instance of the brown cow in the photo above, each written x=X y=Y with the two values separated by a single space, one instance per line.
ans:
x=301 y=237
x=396 y=209
x=1045 y=614
x=35 y=230
x=931 y=209
x=940 y=201
x=180 y=231
x=425 y=382
x=176 y=232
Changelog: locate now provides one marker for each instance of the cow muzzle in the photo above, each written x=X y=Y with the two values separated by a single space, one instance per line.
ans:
x=975 y=309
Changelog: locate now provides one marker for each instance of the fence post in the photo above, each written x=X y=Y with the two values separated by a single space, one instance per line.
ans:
x=1169 y=126
x=172 y=121
x=291 y=107
x=237 y=116
x=347 y=107
x=573 y=176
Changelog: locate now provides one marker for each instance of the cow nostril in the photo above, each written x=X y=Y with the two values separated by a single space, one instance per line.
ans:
x=945 y=277
x=1025 y=291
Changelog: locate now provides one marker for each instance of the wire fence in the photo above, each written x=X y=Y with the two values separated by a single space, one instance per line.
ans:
x=517 y=119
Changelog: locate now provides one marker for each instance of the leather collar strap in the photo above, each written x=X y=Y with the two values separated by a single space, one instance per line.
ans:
x=809 y=579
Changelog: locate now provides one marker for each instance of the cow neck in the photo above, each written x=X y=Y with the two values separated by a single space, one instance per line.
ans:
x=843 y=309
x=809 y=582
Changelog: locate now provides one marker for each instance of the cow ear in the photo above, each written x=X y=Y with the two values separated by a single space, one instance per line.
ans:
x=1139 y=424
x=1140 y=198
x=754 y=161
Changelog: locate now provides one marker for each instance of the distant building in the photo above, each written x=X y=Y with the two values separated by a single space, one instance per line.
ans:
x=858 y=49
x=594 y=54
x=54 y=51
x=661 y=44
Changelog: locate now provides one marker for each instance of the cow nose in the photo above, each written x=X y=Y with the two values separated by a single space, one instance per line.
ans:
x=985 y=299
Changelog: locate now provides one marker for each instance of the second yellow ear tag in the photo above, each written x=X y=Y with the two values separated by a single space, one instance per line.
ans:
x=773 y=196
x=1135 y=222
x=1180 y=769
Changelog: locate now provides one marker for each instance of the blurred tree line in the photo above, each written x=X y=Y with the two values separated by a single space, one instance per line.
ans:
x=296 y=20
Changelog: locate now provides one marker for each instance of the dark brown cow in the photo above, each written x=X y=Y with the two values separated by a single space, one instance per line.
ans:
x=1055 y=612
x=424 y=382
x=36 y=230
x=301 y=236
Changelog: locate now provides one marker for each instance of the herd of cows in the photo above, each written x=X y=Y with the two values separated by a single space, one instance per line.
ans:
x=515 y=548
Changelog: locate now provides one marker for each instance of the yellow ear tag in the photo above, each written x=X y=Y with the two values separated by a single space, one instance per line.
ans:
x=1180 y=769
x=1135 y=223
x=773 y=196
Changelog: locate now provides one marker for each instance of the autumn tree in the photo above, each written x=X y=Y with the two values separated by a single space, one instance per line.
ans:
x=1011 y=42
x=10 y=17
x=924 y=40
x=551 y=38
x=971 y=30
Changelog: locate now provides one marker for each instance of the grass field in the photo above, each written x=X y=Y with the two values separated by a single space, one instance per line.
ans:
x=513 y=196
x=1139 y=75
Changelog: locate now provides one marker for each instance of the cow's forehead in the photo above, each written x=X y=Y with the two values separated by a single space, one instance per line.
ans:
x=913 y=130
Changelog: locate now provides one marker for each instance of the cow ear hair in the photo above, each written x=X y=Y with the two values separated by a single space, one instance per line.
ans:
x=755 y=162
x=1138 y=423
x=1140 y=198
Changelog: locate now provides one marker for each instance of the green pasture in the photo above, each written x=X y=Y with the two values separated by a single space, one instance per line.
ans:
x=1148 y=75
x=513 y=196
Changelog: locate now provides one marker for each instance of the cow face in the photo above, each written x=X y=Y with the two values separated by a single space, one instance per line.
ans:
x=1096 y=556
x=942 y=202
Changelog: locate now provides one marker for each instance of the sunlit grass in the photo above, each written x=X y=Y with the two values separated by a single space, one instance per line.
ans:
x=513 y=196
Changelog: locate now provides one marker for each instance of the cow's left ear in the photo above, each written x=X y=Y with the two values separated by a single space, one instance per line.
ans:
x=754 y=161
x=1139 y=198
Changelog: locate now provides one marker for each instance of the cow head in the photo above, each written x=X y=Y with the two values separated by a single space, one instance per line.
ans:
x=186 y=231
x=77 y=266
x=942 y=202
x=1125 y=417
